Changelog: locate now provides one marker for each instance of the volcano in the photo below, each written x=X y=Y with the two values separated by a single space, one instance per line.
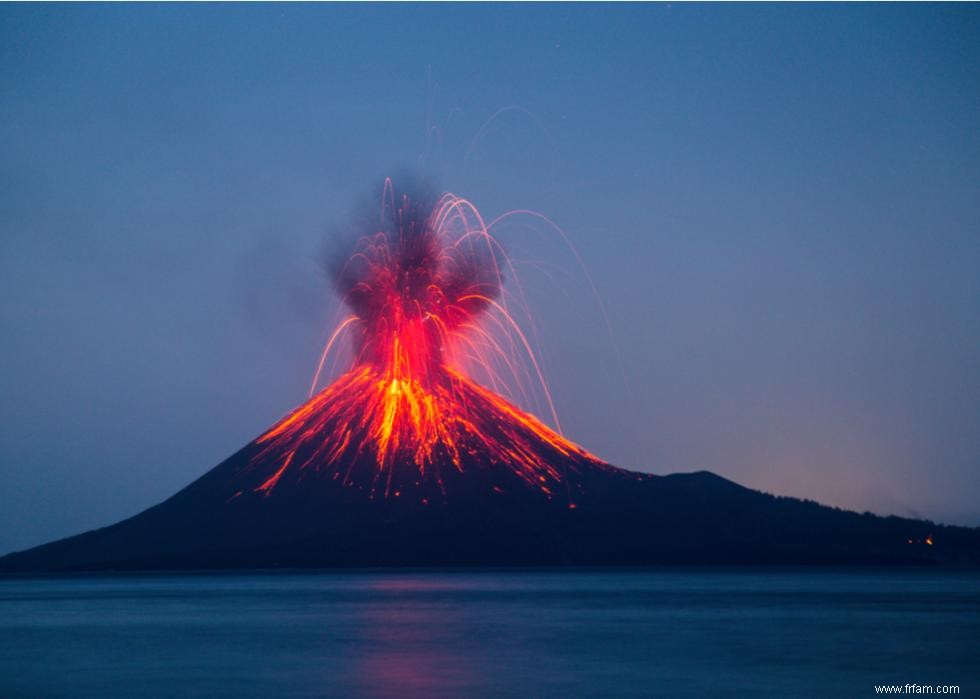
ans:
x=419 y=455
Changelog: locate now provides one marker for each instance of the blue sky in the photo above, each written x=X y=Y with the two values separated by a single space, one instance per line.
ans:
x=778 y=205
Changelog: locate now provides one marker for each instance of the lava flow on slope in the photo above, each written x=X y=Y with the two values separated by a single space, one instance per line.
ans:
x=434 y=346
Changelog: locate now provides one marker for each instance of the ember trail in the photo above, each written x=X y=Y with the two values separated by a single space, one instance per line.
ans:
x=435 y=351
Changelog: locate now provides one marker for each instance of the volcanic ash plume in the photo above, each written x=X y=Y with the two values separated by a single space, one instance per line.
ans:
x=428 y=316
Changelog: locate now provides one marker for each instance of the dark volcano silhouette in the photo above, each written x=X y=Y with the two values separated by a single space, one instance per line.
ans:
x=404 y=461
x=294 y=499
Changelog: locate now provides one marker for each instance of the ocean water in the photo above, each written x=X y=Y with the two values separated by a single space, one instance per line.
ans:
x=701 y=633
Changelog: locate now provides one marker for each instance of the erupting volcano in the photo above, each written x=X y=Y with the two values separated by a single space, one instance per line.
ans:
x=424 y=288
x=418 y=454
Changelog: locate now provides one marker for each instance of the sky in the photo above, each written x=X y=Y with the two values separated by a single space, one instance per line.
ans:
x=778 y=208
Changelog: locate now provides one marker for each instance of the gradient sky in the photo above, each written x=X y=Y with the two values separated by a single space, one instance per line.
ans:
x=779 y=206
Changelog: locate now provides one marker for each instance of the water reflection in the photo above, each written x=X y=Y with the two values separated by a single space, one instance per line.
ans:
x=488 y=634
x=410 y=650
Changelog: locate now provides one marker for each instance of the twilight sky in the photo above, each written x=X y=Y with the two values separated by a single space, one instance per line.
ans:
x=779 y=206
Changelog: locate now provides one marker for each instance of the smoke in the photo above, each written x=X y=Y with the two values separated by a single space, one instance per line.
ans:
x=418 y=266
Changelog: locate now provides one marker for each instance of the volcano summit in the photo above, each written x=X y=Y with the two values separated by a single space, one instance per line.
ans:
x=419 y=455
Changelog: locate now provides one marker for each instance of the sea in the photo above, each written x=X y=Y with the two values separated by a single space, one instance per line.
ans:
x=528 y=633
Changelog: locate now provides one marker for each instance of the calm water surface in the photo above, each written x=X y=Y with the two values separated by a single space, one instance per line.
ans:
x=490 y=634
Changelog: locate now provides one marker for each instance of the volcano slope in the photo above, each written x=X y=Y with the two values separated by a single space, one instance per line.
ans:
x=496 y=488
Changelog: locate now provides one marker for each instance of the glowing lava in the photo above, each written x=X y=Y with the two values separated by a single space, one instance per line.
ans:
x=428 y=317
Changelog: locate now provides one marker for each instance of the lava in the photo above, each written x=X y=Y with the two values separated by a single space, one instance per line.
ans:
x=429 y=323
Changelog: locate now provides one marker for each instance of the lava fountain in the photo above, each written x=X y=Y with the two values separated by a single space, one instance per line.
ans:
x=434 y=347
